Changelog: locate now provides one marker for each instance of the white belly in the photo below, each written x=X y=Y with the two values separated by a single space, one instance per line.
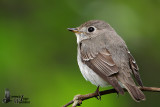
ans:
x=89 y=74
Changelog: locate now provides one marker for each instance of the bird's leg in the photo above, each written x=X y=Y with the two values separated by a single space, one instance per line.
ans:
x=117 y=94
x=97 y=92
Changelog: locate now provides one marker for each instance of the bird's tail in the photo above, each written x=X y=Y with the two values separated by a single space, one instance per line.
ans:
x=135 y=92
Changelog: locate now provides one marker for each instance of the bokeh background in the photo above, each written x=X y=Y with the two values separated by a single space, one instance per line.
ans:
x=38 y=54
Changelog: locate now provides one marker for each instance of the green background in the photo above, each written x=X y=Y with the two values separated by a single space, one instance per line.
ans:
x=38 y=54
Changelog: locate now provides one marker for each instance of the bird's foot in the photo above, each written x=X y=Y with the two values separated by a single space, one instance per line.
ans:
x=117 y=94
x=77 y=101
x=98 y=93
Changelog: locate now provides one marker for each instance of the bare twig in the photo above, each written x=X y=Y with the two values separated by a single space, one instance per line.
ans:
x=79 y=98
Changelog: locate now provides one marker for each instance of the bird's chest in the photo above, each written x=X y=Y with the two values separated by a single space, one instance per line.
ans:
x=89 y=74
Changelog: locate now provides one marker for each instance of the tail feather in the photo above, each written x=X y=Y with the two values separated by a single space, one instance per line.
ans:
x=135 y=92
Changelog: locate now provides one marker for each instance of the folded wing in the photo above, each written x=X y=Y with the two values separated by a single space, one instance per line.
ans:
x=102 y=64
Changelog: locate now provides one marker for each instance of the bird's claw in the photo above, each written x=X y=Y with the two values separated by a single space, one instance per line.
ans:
x=77 y=101
x=117 y=94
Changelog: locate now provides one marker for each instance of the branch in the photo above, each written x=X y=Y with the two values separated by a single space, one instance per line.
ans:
x=79 y=98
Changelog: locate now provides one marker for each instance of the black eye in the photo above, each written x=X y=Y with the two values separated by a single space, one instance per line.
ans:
x=91 y=29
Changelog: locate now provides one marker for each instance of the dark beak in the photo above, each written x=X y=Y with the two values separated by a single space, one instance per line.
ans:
x=75 y=30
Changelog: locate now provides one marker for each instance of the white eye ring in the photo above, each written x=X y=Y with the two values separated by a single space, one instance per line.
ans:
x=91 y=29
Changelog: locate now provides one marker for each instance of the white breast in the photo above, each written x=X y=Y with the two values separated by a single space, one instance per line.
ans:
x=89 y=74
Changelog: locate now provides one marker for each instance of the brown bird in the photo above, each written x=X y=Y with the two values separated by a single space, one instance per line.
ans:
x=104 y=58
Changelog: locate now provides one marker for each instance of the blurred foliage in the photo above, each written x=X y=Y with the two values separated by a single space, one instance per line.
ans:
x=38 y=54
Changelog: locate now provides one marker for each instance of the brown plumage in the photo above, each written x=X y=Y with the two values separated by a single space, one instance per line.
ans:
x=103 y=57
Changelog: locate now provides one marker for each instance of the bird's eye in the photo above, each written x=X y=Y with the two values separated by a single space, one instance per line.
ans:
x=91 y=29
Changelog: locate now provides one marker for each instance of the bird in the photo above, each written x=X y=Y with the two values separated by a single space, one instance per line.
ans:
x=105 y=60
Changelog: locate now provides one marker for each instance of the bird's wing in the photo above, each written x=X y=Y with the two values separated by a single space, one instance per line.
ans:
x=134 y=68
x=101 y=61
x=103 y=65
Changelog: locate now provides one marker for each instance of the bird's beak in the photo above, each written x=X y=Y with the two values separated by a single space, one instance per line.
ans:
x=75 y=30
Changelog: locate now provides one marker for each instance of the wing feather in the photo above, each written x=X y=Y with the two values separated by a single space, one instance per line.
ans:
x=101 y=62
x=134 y=68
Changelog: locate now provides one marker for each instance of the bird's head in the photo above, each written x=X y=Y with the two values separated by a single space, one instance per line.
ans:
x=90 y=29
